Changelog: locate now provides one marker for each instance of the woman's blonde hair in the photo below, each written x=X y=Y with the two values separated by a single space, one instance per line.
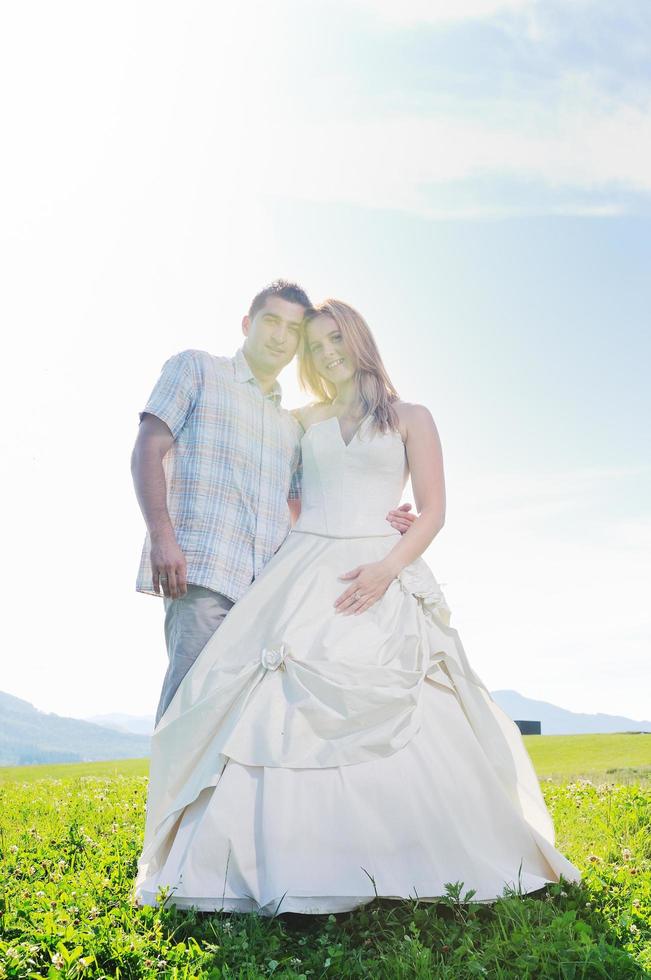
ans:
x=376 y=391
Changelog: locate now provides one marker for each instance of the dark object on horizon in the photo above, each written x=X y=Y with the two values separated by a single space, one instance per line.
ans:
x=560 y=721
x=528 y=727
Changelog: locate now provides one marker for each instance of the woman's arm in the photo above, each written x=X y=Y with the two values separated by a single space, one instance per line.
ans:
x=425 y=458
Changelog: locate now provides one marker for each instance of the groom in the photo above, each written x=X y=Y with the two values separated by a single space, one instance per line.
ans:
x=216 y=469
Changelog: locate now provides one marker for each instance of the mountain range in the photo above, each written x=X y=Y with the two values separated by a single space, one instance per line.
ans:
x=554 y=720
x=561 y=721
x=29 y=736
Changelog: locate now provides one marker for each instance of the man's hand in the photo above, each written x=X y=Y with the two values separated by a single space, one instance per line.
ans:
x=369 y=584
x=401 y=519
x=168 y=566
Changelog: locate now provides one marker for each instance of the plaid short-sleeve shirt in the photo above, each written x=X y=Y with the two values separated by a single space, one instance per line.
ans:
x=233 y=465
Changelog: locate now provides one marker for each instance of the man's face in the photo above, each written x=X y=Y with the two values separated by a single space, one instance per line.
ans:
x=272 y=335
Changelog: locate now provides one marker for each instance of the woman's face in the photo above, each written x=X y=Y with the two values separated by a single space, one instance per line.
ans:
x=332 y=358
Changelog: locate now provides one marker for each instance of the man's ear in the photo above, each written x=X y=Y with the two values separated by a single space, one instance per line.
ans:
x=246 y=323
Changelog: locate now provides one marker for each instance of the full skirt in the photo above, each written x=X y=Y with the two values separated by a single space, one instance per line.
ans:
x=310 y=761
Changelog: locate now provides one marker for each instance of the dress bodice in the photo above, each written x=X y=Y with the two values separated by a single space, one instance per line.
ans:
x=349 y=488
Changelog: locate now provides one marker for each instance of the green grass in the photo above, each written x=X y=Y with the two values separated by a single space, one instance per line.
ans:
x=73 y=770
x=622 y=757
x=627 y=756
x=70 y=837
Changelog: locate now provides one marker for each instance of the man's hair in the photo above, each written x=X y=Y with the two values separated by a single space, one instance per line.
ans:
x=290 y=291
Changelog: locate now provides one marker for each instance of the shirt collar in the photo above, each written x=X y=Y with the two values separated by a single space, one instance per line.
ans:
x=243 y=373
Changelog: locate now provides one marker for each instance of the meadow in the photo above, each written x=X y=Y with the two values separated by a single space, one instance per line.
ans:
x=70 y=838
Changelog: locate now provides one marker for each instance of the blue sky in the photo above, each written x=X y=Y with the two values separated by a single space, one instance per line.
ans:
x=474 y=176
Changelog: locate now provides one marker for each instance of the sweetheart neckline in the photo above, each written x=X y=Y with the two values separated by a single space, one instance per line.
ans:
x=341 y=435
x=347 y=445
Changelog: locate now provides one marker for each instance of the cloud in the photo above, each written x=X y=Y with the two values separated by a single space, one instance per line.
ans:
x=411 y=12
x=570 y=487
x=578 y=142
x=515 y=108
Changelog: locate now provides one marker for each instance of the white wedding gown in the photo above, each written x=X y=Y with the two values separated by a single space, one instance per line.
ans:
x=309 y=760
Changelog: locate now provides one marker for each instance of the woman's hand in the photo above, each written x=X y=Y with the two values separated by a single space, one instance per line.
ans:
x=369 y=583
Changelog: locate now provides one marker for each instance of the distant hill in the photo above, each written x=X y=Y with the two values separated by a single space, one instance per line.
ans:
x=560 y=721
x=29 y=736
x=555 y=720
x=139 y=724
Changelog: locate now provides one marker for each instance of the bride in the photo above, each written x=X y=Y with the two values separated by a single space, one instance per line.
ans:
x=331 y=742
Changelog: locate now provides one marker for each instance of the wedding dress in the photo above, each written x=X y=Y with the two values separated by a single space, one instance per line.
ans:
x=311 y=760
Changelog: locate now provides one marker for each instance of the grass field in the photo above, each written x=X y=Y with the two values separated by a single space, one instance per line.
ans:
x=70 y=838
x=622 y=757
x=626 y=756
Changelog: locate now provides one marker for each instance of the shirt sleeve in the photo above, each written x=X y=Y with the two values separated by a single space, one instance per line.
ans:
x=297 y=479
x=174 y=394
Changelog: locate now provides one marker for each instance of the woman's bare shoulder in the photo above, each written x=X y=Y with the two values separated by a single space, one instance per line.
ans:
x=308 y=414
x=415 y=420
x=413 y=417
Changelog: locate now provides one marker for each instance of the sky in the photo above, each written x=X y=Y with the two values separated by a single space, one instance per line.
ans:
x=474 y=176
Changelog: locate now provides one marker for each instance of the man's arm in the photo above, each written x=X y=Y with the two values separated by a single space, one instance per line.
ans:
x=168 y=564
x=401 y=519
x=294 y=504
x=296 y=486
